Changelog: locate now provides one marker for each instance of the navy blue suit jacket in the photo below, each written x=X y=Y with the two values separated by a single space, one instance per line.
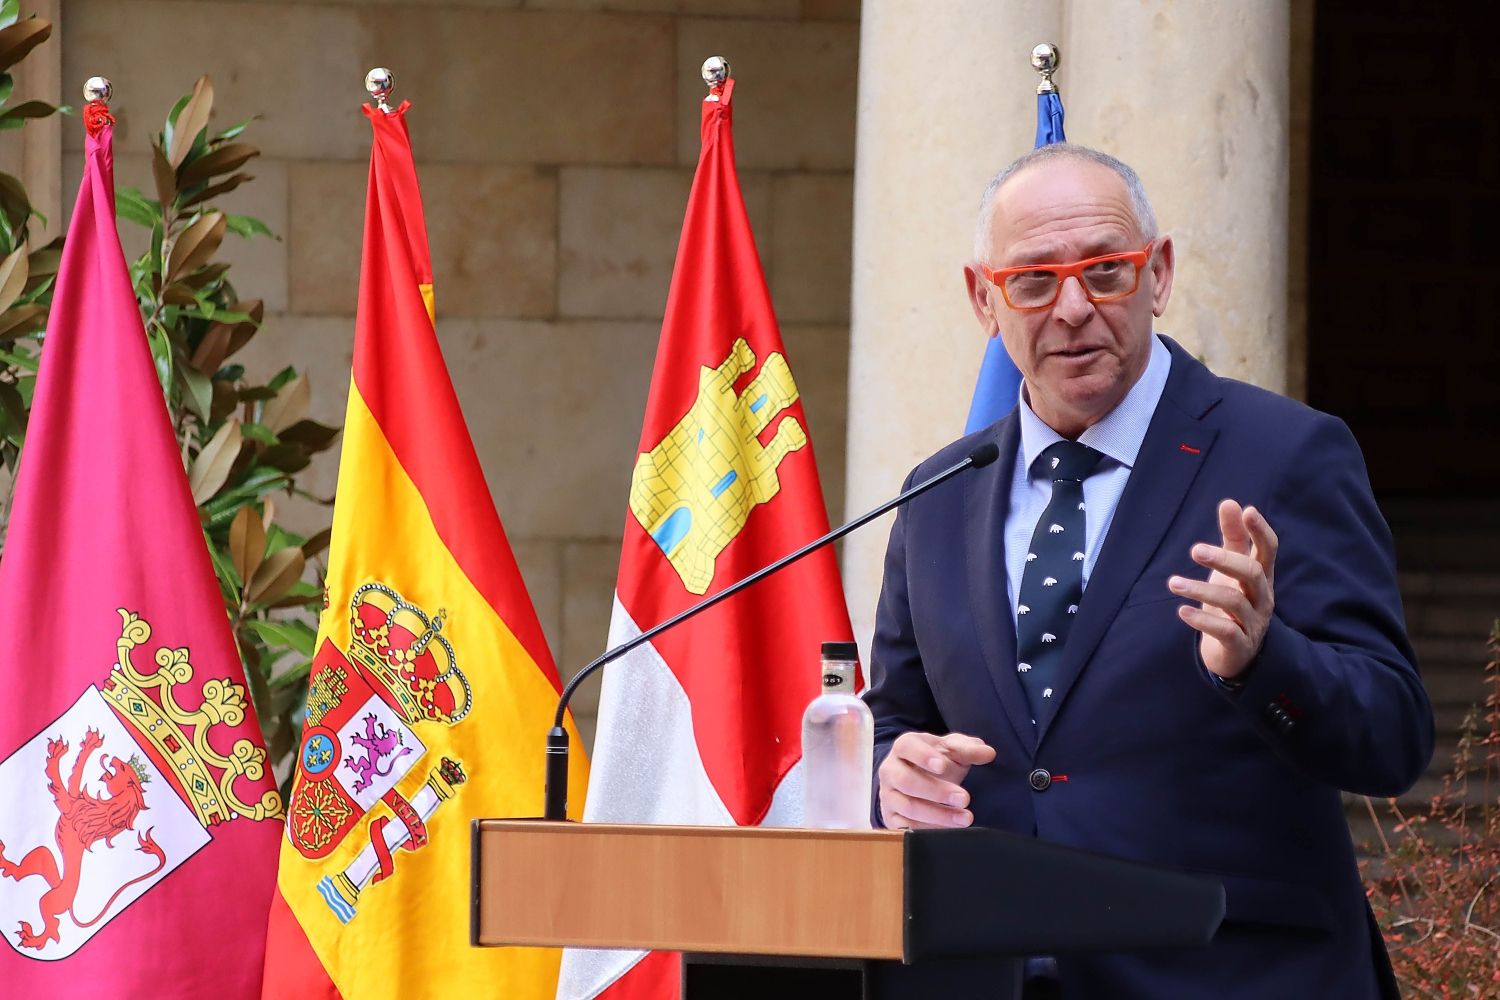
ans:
x=1150 y=759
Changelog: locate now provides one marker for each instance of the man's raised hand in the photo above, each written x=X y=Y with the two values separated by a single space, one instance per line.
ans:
x=1238 y=597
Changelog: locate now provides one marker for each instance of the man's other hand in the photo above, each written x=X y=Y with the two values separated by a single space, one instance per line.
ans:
x=1238 y=596
x=920 y=780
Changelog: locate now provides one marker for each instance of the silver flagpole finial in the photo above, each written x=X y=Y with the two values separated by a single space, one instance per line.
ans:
x=1045 y=59
x=380 y=82
x=715 y=72
x=97 y=88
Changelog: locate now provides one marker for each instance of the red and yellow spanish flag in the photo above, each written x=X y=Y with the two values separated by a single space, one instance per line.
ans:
x=432 y=686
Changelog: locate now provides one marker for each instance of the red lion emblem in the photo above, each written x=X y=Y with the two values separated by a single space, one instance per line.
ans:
x=83 y=821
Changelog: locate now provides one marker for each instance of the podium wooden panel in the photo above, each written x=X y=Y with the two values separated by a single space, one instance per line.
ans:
x=726 y=890
x=824 y=914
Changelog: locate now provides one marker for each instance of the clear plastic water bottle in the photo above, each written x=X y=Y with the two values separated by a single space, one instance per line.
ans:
x=838 y=736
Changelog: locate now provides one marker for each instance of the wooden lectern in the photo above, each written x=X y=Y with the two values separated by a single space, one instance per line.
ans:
x=828 y=913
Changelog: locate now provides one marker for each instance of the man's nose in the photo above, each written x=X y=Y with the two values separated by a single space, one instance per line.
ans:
x=1072 y=306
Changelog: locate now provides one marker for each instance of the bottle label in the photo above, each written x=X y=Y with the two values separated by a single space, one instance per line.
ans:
x=838 y=675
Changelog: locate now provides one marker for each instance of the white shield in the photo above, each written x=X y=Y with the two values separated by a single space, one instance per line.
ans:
x=111 y=876
x=378 y=750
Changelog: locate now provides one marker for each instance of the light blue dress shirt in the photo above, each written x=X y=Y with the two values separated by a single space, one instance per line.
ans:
x=1118 y=436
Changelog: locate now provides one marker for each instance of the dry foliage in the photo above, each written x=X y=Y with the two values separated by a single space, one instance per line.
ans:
x=1434 y=883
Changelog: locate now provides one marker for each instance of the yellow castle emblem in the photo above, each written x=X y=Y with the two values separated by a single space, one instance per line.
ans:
x=694 y=491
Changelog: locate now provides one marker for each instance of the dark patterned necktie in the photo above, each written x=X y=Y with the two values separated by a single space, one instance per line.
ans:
x=1052 y=582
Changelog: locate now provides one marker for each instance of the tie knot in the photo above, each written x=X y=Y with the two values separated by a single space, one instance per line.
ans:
x=1069 y=460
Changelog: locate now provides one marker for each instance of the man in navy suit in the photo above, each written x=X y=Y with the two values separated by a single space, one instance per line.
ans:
x=1163 y=626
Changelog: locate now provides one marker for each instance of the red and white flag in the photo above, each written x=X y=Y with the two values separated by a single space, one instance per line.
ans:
x=703 y=725
x=139 y=821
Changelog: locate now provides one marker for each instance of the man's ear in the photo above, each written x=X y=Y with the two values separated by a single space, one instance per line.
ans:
x=1163 y=267
x=979 y=299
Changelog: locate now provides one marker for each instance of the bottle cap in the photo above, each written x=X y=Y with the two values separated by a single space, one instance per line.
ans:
x=841 y=651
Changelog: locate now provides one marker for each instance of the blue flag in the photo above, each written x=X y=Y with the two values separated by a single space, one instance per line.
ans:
x=999 y=381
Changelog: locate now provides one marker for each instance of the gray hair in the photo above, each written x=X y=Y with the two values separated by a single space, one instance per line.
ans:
x=1145 y=218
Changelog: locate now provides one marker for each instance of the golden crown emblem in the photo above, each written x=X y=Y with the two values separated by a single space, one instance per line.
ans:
x=405 y=652
x=148 y=705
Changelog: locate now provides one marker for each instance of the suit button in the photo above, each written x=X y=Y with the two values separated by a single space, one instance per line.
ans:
x=1040 y=779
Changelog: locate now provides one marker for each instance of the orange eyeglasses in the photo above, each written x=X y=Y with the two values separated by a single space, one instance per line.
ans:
x=1103 y=279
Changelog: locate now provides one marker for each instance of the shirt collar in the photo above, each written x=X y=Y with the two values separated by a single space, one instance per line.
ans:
x=1120 y=433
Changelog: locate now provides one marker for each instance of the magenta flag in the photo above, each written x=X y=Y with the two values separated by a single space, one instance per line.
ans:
x=139 y=821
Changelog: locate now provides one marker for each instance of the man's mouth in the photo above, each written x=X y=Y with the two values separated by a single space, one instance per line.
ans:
x=1075 y=353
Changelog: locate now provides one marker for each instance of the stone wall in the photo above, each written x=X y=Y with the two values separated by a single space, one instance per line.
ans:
x=555 y=142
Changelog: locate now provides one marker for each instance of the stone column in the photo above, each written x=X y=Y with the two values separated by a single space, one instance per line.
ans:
x=946 y=98
x=1195 y=96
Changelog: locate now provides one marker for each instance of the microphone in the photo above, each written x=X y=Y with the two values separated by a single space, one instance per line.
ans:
x=556 y=800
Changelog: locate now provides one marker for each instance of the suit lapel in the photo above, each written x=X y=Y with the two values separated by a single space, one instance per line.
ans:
x=986 y=503
x=1176 y=445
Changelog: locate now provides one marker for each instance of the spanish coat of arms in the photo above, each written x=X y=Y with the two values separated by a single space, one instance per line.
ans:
x=361 y=738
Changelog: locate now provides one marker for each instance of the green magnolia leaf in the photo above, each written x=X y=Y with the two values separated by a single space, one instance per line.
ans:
x=39 y=287
x=170 y=129
x=29 y=109
x=7 y=87
x=261 y=433
x=260 y=481
x=200 y=393
x=161 y=355
x=243 y=225
x=26 y=362
x=229 y=580
x=15 y=206
x=282 y=377
x=135 y=207
x=13 y=405
x=257 y=672
x=234 y=131
x=10 y=11
x=294 y=679
x=290 y=633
